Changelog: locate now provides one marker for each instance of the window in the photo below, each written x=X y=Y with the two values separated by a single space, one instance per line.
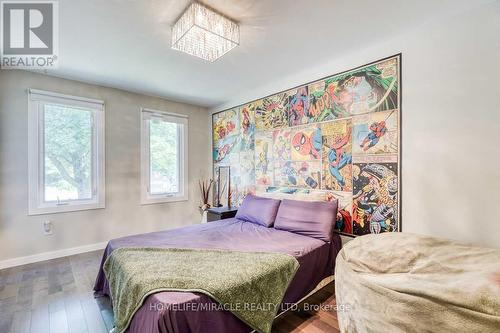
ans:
x=163 y=157
x=66 y=153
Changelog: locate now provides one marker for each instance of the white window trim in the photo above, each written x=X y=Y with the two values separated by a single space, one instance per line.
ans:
x=146 y=197
x=36 y=206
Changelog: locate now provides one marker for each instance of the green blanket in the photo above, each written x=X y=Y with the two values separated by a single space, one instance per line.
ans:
x=249 y=284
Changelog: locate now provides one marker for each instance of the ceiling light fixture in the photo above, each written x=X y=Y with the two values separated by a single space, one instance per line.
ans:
x=202 y=32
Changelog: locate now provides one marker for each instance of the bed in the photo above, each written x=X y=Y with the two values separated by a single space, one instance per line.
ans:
x=169 y=312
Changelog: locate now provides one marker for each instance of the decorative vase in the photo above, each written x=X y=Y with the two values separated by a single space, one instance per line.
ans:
x=204 y=211
x=204 y=217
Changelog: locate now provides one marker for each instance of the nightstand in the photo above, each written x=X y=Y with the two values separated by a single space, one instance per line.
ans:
x=221 y=213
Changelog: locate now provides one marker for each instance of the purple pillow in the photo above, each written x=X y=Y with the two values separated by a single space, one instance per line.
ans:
x=309 y=218
x=258 y=210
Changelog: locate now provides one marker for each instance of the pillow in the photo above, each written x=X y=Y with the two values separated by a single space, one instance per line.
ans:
x=258 y=210
x=309 y=218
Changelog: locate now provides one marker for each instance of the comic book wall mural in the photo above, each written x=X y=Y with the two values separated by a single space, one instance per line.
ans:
x=338 y=138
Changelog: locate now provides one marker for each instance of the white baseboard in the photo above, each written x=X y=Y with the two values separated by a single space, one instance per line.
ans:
x=51 y=255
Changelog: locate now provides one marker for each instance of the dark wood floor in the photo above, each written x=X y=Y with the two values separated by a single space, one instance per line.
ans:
x=56 y=296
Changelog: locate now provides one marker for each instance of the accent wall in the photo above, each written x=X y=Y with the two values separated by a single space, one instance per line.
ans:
x=337 y=138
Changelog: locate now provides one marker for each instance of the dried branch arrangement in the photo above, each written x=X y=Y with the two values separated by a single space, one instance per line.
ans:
x=205 y=187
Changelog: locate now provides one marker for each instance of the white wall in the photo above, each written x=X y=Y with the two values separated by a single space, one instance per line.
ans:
x=451 y=122
x=21 y=235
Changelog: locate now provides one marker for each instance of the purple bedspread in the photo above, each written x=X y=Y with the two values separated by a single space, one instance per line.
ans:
x=185 y=312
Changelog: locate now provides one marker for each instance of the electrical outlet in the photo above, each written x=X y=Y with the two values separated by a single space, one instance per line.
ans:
x=47 y=228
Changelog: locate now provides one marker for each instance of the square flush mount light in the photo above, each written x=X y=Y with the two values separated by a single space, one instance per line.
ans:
x=202 y=32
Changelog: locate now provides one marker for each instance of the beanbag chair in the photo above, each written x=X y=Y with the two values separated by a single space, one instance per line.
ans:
x=398 y=282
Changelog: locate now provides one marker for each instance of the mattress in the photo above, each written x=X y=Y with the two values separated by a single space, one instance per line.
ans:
x=186 y=312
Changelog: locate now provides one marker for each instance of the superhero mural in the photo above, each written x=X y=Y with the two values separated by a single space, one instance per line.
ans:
x=233 y=145
x=369 y=89
x=225 y=135
x=337 y=155
x=292 y=193
x=263 y=158
x=242 y=177
x=282 y=145
x=376 y=133
x=375 y=198
x=247 y=128
x=334 y=139
x=343 y=222
x=298 y=106
x=271 y=112
x=306 y=143
x=225 y=124
x=297 y=173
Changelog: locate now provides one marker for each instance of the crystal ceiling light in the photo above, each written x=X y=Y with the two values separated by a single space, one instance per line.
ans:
x=204 y=33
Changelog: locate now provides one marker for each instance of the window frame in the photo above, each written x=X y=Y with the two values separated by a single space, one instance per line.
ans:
x=36 y=185
x=146 y=197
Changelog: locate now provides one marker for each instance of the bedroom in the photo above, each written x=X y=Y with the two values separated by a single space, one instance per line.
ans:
x=319 y=128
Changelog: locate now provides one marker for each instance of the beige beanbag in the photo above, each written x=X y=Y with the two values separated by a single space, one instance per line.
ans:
x=397 y=282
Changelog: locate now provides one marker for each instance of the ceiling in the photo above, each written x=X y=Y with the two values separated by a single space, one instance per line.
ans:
x=126 y=43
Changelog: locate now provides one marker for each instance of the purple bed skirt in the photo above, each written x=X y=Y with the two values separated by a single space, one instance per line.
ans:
x=186 y=312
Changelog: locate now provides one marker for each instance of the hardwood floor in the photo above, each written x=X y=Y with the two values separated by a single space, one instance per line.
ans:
x=316 y=314
x=56 y=296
